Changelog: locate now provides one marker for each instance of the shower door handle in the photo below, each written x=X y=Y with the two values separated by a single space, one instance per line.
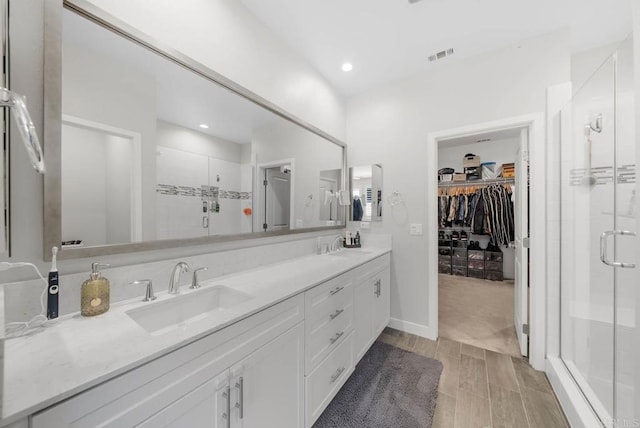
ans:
x=603 y=248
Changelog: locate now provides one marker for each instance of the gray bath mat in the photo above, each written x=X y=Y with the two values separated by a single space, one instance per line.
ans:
x=390 y=388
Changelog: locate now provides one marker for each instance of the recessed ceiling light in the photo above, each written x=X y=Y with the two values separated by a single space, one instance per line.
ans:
x=204 y=126
x=347 y=66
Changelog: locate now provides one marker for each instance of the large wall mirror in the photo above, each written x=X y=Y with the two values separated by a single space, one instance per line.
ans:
x=146 y=150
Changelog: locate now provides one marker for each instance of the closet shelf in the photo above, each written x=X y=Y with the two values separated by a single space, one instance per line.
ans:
x=477 y=182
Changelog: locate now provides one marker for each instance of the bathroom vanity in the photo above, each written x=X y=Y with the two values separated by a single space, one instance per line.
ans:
x=279 y=345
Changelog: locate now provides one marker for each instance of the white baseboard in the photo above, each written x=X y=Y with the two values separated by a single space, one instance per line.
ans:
x=574 y=405
x=413 y=328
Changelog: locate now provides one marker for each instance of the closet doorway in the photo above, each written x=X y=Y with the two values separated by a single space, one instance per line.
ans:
x=482 y=240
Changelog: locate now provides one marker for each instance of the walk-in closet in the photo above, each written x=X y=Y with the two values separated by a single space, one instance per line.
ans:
x=482 y=231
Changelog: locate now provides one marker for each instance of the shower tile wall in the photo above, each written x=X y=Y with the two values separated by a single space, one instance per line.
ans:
x=180 y=177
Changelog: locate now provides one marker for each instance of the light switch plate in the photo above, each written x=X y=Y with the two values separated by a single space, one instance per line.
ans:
x=415 y=229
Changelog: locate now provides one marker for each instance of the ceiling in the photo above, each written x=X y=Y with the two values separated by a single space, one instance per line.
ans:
x=504 y=134
x=387 y=40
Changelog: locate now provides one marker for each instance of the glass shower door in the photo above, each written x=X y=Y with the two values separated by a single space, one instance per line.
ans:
x=597 y=211
x=623 y=248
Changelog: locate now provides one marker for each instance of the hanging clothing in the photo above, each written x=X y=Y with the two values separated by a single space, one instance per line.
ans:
x=357 y=209
x=487 y=211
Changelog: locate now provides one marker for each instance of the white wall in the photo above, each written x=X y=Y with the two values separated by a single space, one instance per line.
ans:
x=225 y=36
x=84 y=186
x=180 y=138
x=390 y=125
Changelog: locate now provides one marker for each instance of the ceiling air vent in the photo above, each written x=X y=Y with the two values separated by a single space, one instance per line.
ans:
x=441 y=55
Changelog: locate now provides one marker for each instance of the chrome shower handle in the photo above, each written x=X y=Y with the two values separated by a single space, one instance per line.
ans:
x=603 y=248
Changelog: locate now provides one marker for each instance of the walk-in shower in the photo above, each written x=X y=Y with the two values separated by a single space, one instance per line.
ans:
x=599 y=336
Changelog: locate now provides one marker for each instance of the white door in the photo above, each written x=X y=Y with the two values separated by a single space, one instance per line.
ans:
x=328 y=201
x=381 y=301
x=277 y=199
x=363 y=316
x=521 y=283
x=267 y=386
x=206 y=406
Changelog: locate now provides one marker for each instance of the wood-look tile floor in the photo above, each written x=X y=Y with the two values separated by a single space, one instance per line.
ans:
x=482 y=388
x=477 y=312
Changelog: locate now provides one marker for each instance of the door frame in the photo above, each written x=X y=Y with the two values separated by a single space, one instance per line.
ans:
x=535 y=124
x=136 y=165
x=259 y=219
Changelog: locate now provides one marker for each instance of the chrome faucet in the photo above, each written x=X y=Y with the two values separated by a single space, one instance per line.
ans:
x=336 y=243
x=174 y=281
x=148 y=295
x=195 y=283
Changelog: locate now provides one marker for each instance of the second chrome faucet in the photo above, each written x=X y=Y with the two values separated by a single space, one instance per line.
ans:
x=174 y=280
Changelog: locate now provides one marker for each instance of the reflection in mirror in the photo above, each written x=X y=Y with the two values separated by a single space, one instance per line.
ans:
x=365 y=183
x=330 y=185
x=151 y=150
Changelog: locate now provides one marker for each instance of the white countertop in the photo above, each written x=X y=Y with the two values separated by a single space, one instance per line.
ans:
x=77 y=353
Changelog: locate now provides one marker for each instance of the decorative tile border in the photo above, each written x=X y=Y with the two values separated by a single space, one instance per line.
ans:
x=604 y=174
x=208 y=192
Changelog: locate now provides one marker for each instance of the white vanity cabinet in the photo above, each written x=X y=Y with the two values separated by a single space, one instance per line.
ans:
x=208 y=402
x=267 y=386
x=343 y=318
x=371 y=302
x=188 y=387
x=262 y=390
x=277 y=368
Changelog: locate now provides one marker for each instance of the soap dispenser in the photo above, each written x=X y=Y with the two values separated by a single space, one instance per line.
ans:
x=94 y=295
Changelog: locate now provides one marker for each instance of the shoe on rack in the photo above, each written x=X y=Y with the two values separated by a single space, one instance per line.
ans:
x=463 y=235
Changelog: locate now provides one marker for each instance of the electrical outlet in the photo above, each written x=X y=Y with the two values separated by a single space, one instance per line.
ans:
x=415 y=229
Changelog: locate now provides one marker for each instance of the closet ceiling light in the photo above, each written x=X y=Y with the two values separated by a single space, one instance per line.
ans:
x=204 y=126
x=347 y=66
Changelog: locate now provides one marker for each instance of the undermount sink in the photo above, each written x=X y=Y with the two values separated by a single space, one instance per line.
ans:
x=185 y=309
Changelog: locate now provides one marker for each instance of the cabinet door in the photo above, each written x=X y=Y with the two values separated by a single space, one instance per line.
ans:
x=381 y=301
x=363 y=316
x=267 y=386
x=206 y=406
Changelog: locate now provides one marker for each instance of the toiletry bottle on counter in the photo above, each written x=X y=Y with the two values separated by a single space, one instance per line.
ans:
x=94 y=296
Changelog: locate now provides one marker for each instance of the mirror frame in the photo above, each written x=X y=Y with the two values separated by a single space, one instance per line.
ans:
x=53 y=130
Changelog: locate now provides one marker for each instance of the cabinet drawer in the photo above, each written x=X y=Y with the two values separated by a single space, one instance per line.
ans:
x=328 y=310
x=328 y=336
x=327 y=379
x=325 y=298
